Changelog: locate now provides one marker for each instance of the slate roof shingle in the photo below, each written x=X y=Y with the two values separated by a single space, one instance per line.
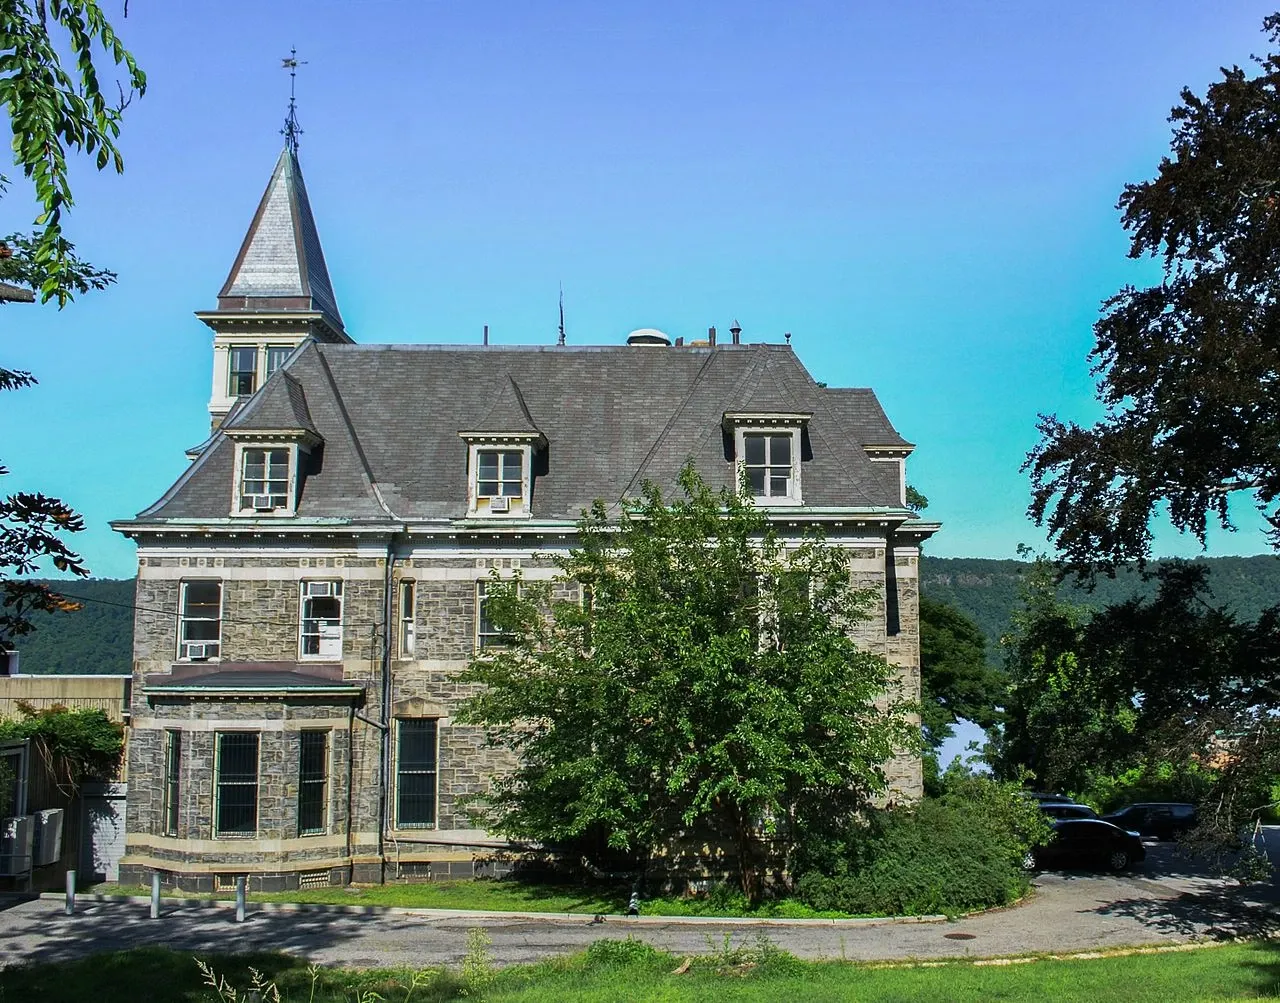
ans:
x=612 y=417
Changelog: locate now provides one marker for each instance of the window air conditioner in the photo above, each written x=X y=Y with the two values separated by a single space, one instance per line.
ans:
x=261 y=503
x=500 y=504
x=16 y=835
x=200 y=652
x=317 y=589
x=48 y=836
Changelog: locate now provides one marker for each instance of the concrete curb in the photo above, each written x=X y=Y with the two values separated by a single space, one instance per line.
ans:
x=387 y=910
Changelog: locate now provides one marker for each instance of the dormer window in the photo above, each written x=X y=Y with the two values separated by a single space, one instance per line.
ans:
x=264 y=479
x=767 y=460
x=499 y=474
x=767 y=451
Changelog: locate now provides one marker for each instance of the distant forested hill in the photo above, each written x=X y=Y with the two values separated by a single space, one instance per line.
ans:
x=95 y=639
x=987 y=590
x=99 y=637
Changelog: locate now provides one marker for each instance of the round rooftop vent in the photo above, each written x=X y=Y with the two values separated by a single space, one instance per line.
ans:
x=648 y=336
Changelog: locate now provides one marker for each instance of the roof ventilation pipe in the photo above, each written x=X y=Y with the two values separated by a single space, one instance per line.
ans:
x=648 y=336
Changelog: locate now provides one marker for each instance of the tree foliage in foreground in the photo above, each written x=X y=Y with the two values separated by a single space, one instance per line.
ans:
x=707 y=690
x=52 y=53
x=1187 y=369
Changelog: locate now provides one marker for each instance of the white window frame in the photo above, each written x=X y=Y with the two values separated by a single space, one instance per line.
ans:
x=408 y=595
x=291 y=485
x=480 y=506
x=267 y=350
x=479 y=638
x=794 y=495
x=310 y=588
x=185 y=645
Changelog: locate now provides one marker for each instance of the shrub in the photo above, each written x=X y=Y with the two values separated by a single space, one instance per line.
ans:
x=955 y=853
x=1148 y=781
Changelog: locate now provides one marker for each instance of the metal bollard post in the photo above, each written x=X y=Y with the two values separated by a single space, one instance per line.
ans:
x=70 y=907
x=155 y=894
x=240 y=881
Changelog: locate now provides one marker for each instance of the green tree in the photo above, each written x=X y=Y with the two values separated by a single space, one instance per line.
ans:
x=53 y=113
x=956 y=680
x=707 y=689
x=1186 y=368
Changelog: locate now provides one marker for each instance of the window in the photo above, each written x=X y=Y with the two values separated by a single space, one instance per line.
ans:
x=242 y=373
x=200 y=630
x=406 y=619
x=767 y=460
x=321 y=620
x=313 y=782
x=13 y=781
x=276 y=354
x=172 y=780
x=236 y=785
x=487 y=635
x=416 y=771
x=264 y=479
x=499 y=473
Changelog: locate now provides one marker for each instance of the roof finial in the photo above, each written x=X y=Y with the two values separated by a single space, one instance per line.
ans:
x=560 y=341
x=292 y=130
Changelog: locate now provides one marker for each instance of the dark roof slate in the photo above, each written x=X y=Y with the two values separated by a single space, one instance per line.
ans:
x=612 y=417
x=281 y=258
x=281 y=405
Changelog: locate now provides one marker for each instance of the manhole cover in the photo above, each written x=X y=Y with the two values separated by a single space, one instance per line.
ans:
x=959 y=936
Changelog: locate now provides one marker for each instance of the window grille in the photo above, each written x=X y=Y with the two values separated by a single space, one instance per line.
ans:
x=236 y=811
x=313 y=782
x=172 y=780
x=200 y=629
x=416 y=772
x=313 y=879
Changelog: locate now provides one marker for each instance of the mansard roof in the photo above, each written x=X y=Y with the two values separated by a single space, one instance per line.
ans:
x=281 y=266
x=612 y=418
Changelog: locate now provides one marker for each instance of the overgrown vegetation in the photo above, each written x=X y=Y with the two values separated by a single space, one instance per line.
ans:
x=76 y=745
x=951 y=854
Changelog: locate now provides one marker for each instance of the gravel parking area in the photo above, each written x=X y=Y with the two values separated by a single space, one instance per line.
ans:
x=1168 y=901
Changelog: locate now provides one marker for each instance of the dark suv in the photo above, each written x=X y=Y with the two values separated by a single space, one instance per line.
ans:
x=1158 y=819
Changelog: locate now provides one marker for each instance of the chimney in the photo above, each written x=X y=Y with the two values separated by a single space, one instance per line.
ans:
x=711 y=337
x=680 y=342
x=486 y=334
x=736 y=331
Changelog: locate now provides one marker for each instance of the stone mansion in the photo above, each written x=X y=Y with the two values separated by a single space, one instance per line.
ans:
x=314 y=578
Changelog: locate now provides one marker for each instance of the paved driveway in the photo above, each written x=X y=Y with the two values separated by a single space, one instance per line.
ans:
x=1169 y=901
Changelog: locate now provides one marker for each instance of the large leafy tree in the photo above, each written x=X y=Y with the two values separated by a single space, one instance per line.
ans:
x=1187 y=369
x=956 y=681
x=708 y=689
x=52 y=53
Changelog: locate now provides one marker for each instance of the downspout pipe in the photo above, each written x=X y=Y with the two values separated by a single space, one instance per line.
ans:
x=388 y=610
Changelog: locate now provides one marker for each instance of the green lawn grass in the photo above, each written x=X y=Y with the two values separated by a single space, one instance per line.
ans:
x=510 y=894
x=627 y=970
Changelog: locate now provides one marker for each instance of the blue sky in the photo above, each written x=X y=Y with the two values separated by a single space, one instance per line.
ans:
x=923 y=194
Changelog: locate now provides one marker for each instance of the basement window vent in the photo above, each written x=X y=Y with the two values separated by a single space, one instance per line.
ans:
x=415 y=870
x=313 y=879
x=227 y=882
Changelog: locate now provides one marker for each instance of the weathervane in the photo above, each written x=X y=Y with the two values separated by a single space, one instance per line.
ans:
x=292 y=130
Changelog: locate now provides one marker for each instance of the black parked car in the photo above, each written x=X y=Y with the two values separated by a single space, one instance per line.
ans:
x=1061 y=809
x=1160 y=820
x=1089 y=842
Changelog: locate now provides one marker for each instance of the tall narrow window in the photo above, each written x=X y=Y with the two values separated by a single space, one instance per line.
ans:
x=264 y=479
x=499 y=473
x=768 y=464
x=313 y=782
x=407 y=631
x=276 y=354
x=321 y=620
x=487 y=633
x=242 y=372
x=416 y=772
x=200 y=629
x=236 y=784
x=172 y=780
